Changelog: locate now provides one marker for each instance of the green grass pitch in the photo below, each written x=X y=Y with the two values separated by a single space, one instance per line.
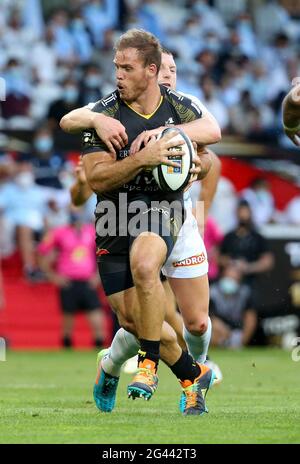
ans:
x=47 y=398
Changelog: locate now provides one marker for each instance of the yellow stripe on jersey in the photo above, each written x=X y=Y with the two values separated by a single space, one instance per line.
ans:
x=146 y=116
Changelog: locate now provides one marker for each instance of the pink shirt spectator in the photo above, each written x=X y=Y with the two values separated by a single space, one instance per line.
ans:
x=76 y=251
x=212 y=238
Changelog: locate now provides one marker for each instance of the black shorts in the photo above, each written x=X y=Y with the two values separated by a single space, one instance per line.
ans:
x=116 y=274
x=113 y=255
x=79 y=296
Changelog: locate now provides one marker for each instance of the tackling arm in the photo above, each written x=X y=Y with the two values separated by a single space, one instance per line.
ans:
x=105 y=173
x=210 y=182
x=203 y=131
x=77 y=120
x=109 y=130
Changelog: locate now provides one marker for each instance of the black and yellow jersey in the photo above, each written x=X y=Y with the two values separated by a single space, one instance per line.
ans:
x=174 y=108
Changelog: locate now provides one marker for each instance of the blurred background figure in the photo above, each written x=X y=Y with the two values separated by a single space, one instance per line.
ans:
x=239 y=57
x=67 y=257
x=68 y=101
x=213 y=237
x=47 y=162
x=15 y=109
x=2 y=300
x=22 y=204
x=245 y=248
x=292 y=213
x=260 y=200
x=232 y=311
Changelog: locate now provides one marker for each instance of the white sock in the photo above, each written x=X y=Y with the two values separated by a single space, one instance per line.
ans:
x=198 y=345
x=123 y=347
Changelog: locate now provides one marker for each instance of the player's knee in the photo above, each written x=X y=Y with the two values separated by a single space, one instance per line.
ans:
x=197 y=326
x=144 y=272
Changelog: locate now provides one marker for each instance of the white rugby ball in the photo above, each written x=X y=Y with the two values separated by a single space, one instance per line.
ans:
x=175 y=179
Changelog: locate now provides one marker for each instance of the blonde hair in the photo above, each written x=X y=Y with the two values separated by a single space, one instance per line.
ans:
x=147 y=45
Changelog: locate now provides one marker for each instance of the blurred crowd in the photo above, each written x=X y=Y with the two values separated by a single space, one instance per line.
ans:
x=239 y=60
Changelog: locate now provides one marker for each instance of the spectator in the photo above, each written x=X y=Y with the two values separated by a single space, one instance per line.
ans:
x=44 y=58
x=68 y=101
x=246 y=33
x=18 y=91
x=81 y=37
x=246 y=248
x=232 y=312
x=209 y=38
x=259 y=85
x=2 y=301
x=223 y=209
x=278 y=19
x=211 y=19
x=261 y=201
x=212 y=239
x=18 y=38
x=246 y=118
x=67 y=256
x=229 y=94
x=91 y=85
x=213 y=103
x=22 y=204
x=207 y=61
x=63 y=38
x=46 y=162
x=149 y=19
x=292 y=212
x=100 y=15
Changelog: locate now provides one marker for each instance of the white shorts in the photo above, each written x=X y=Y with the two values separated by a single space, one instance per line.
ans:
x=188 y=258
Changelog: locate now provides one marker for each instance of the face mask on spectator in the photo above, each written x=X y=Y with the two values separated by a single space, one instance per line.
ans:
x=78 y=24
x=193 y=31
x=16 y=72
x=245 y=223
x=43 y=144
x=228 y=285
x=262 y=194
x=25 y=179
x=92 y=81
x=70 y=94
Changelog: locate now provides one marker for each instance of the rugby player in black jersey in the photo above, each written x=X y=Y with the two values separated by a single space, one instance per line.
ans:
x=195 y=306
x=139 y=95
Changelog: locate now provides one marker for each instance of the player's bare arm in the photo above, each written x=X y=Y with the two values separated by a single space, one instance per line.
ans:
x=80 y=191
x=104 y=173
x=110 y=130
x=291 y=115
x=210 y=182
x=204 y=131
x=203 y=162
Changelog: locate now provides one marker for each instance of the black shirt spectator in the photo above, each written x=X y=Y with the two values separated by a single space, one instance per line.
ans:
x=245 y=247
x=68 y=102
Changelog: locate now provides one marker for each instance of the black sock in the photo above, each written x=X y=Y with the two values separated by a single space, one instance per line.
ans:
x=186 y=368
x=67 y=342
x=149 y=350
x=98 y=342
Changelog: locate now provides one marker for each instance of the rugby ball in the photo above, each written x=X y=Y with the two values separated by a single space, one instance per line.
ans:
x=175 y=179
